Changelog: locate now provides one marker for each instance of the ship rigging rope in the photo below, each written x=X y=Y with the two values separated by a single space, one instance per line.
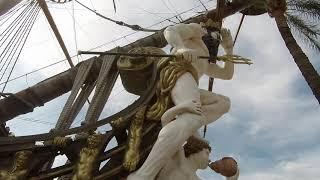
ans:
x=10 y=30
x=121 y=23
x=14 y=24
x=23 y=39
x=23 y=18
x=74 y=29
x=5 y=17
x=99 y=46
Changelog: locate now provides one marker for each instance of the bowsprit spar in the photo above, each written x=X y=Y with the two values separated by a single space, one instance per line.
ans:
x=90 y=83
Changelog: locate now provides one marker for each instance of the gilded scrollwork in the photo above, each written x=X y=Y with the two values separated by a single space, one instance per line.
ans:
x=132 y=155
x=119 y=123
x=61 y=141
x=87 y=158
x=19 y=170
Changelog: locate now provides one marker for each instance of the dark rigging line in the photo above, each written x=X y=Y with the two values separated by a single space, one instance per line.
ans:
x=14 y=23
x=203 y=5
x=44 y=67
x=121 y=23
x=4 y=52
x=14 y=8
x=177 y=13
x=147 y=27
x=25 y=40
x=10 y=14
x=79 y=26
x=235 y=39
x=92 y=5
x=63 y=60
x=17 y=43
x=74 y=27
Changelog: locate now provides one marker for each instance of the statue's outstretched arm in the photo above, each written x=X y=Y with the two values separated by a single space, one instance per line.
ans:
x=227 y=71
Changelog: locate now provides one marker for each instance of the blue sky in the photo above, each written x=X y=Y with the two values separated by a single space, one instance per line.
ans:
x=272 y=126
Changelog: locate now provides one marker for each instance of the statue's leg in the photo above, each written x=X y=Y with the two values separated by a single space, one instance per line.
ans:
x=174 y=134
x=213 y=105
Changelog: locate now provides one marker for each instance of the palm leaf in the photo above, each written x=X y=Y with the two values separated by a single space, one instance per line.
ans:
x=309 y=33
x=307 y=8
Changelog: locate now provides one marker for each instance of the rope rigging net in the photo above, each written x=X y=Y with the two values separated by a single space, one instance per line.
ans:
x=18 y=25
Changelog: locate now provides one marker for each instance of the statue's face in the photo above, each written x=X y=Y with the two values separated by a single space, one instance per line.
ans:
x=203 y=158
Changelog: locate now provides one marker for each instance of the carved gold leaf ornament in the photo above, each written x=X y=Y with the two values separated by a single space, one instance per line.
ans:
x=170 y=70
x=19 y=170
x=234 y=59
x=119 y=123
x=132 y=156
x=61 y=141
x=87 y=158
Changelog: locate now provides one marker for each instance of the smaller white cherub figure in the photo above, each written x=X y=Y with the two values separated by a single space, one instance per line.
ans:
x=192 y=156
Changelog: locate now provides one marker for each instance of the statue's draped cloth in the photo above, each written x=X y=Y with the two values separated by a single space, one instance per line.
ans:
x=170 y=70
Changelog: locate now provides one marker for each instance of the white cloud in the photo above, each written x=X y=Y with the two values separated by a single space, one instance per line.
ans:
x=305 y=166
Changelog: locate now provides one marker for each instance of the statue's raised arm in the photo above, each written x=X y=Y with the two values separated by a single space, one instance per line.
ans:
x=186 y=40
x=227 y=71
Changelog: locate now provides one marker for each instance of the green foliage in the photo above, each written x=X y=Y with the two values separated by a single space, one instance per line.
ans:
x=308 y=32
x=303 y=17
x=308 y=8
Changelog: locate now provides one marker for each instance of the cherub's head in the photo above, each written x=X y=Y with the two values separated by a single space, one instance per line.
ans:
x=199 y=150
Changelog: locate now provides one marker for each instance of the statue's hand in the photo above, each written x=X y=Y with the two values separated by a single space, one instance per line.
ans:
x=187 y=54
x=227 y=42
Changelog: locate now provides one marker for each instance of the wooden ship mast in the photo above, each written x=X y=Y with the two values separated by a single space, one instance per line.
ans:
x=23 y=158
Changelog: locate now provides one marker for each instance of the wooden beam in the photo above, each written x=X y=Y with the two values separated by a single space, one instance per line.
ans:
x=47 y=13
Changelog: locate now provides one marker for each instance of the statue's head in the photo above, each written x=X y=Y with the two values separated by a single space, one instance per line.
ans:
x=199 y=150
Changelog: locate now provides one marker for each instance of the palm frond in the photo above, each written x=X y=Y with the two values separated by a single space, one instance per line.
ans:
x=309 y=33
x=306 y=8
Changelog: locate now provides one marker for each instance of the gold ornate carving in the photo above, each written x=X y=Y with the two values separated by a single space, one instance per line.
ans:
x=119 y=123
x=234 y=59
x=19 y=170
x=88 y=156
x=136 y=72
x=61 y=141
x=132 y=155
x=135 y=63
x=170 y=70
